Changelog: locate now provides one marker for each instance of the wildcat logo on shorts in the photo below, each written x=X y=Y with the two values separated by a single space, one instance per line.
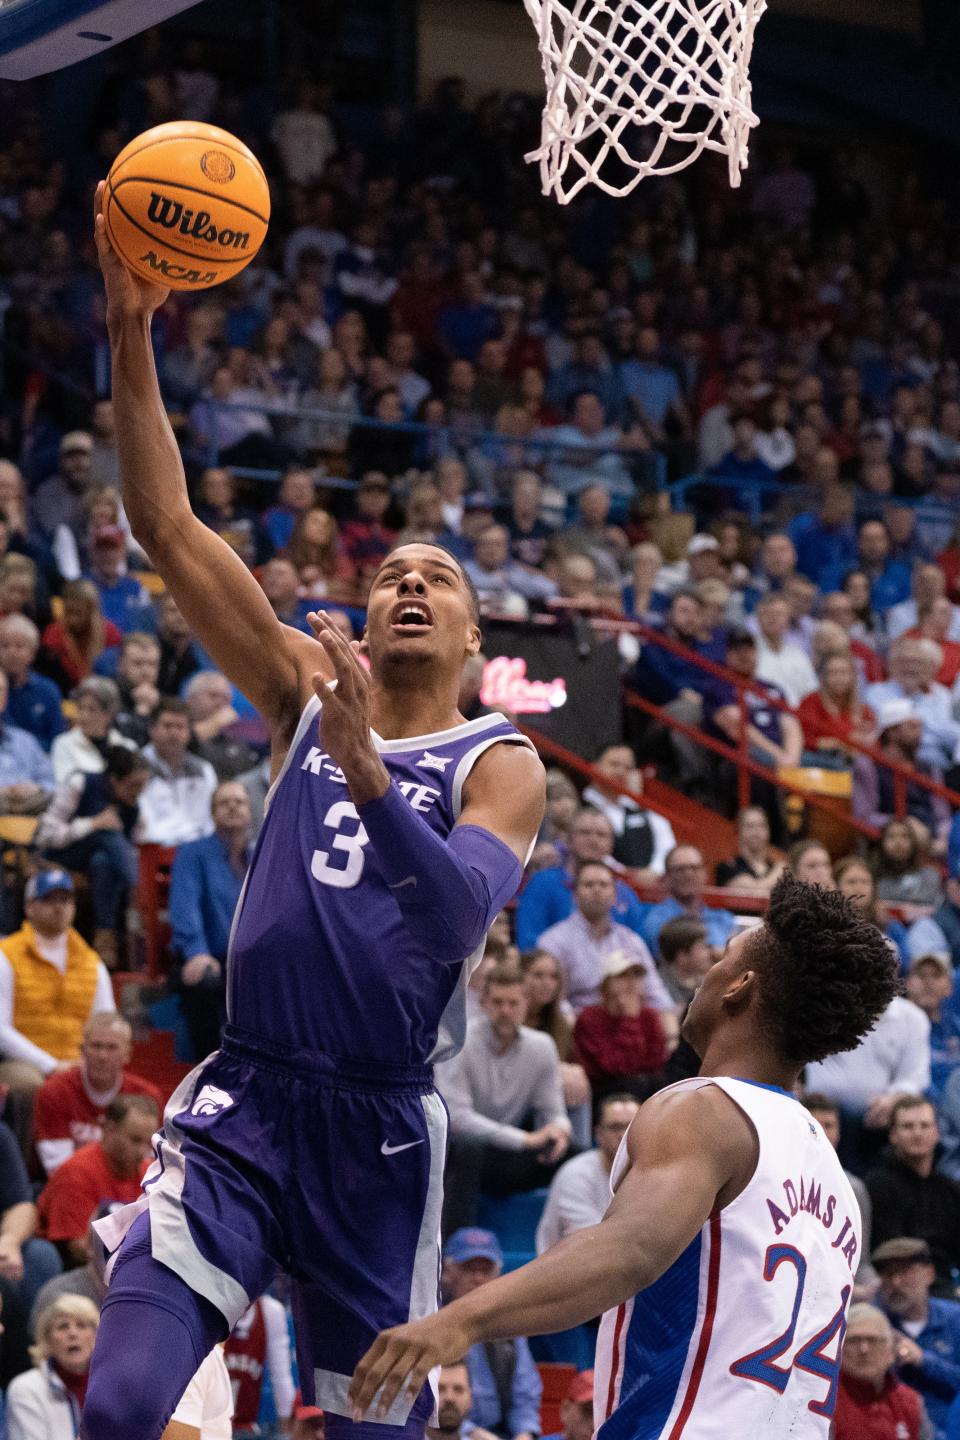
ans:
x=211 y=1101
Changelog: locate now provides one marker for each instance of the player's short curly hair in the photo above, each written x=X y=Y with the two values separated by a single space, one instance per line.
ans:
x=826 y=973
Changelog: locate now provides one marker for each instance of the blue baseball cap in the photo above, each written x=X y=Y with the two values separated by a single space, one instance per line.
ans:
x=472 y=1244
x=46 y=882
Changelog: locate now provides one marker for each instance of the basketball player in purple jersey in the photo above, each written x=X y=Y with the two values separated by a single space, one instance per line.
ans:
x=312 y=1142
x=725 y=1262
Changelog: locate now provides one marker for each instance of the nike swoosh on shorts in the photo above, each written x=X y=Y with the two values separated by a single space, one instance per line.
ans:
x=387 y=1149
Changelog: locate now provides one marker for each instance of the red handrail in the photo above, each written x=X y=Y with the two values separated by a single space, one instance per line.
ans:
x=902 y=774
x=746 y=766
x=744 y=902
x=713 y=895
x=571 y=761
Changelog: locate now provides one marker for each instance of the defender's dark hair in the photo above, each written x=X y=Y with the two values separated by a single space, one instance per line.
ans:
x=826 y=973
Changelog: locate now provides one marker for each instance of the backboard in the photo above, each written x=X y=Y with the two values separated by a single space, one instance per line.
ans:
x=37 y=36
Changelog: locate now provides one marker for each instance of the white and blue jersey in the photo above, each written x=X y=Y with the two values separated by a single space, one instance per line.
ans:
x=320 y=956
x=742 y=1335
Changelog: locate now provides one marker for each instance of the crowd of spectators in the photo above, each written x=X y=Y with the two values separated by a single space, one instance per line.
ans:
x=727 y=426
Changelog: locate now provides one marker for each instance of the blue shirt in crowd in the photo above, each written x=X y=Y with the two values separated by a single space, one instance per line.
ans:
x=22 y=759
x=944 y=1048
x=719 y=924
x=655 y=388
x=277 y=524
x=127 y=604
x=464 y=328
x=35 y=706
x=953 y=846
x=204 y=890
x=763 y=716
x=732 y=468
x=526 y=1390
x=823 y=550
x=659 y=675
x=938 y=1378
x=548 y=899
x=890 y=587
x=574 y=377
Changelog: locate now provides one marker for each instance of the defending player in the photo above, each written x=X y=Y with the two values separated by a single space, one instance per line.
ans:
x=313 y=1140
x=726 y=1260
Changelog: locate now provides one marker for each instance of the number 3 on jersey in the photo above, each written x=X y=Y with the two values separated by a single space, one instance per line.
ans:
x=349 y=842
x=760 y=1367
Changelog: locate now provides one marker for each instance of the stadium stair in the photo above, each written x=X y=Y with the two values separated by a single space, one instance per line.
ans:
x=155 y=1058
x=555 y=1379
x=161 y=1046
x=693 y=823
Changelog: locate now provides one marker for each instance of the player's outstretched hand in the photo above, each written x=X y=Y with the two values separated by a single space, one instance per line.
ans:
x=345 y=716
x=127 y=295
x=402 y=1358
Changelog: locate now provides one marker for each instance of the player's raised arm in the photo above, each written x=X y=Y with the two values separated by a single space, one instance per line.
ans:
x=219 y=597
x=690 y=1152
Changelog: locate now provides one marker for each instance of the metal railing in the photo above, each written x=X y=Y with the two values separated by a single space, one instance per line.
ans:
x=903 y=775
x=738 y=755
x=713 y=895
x=753 y=497
x=486 y=453
x=490 y=456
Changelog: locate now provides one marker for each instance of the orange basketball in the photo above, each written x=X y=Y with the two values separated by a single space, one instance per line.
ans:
x=186 y=205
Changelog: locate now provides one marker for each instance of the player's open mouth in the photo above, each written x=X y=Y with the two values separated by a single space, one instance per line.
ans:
x=411 y=617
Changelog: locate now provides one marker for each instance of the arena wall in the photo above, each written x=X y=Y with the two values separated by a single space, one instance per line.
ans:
x=492 y=43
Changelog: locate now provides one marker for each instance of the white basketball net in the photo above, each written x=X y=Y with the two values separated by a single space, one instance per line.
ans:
x=638 y=89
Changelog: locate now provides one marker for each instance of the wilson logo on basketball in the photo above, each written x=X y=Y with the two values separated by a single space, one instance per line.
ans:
x=217 y=166
x=197 y=224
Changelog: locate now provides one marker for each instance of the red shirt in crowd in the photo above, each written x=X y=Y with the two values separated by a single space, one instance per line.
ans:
x=949 y=562
x=58 y=641
x=820 y=723
x=246 y=1357
x=608 y=1044
x=81 y=1185
x=66 y=1116
x=861 y=1414
x=950 y=668
x=868 y=661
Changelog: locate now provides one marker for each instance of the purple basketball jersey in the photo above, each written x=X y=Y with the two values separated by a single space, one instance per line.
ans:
x=320 y=957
